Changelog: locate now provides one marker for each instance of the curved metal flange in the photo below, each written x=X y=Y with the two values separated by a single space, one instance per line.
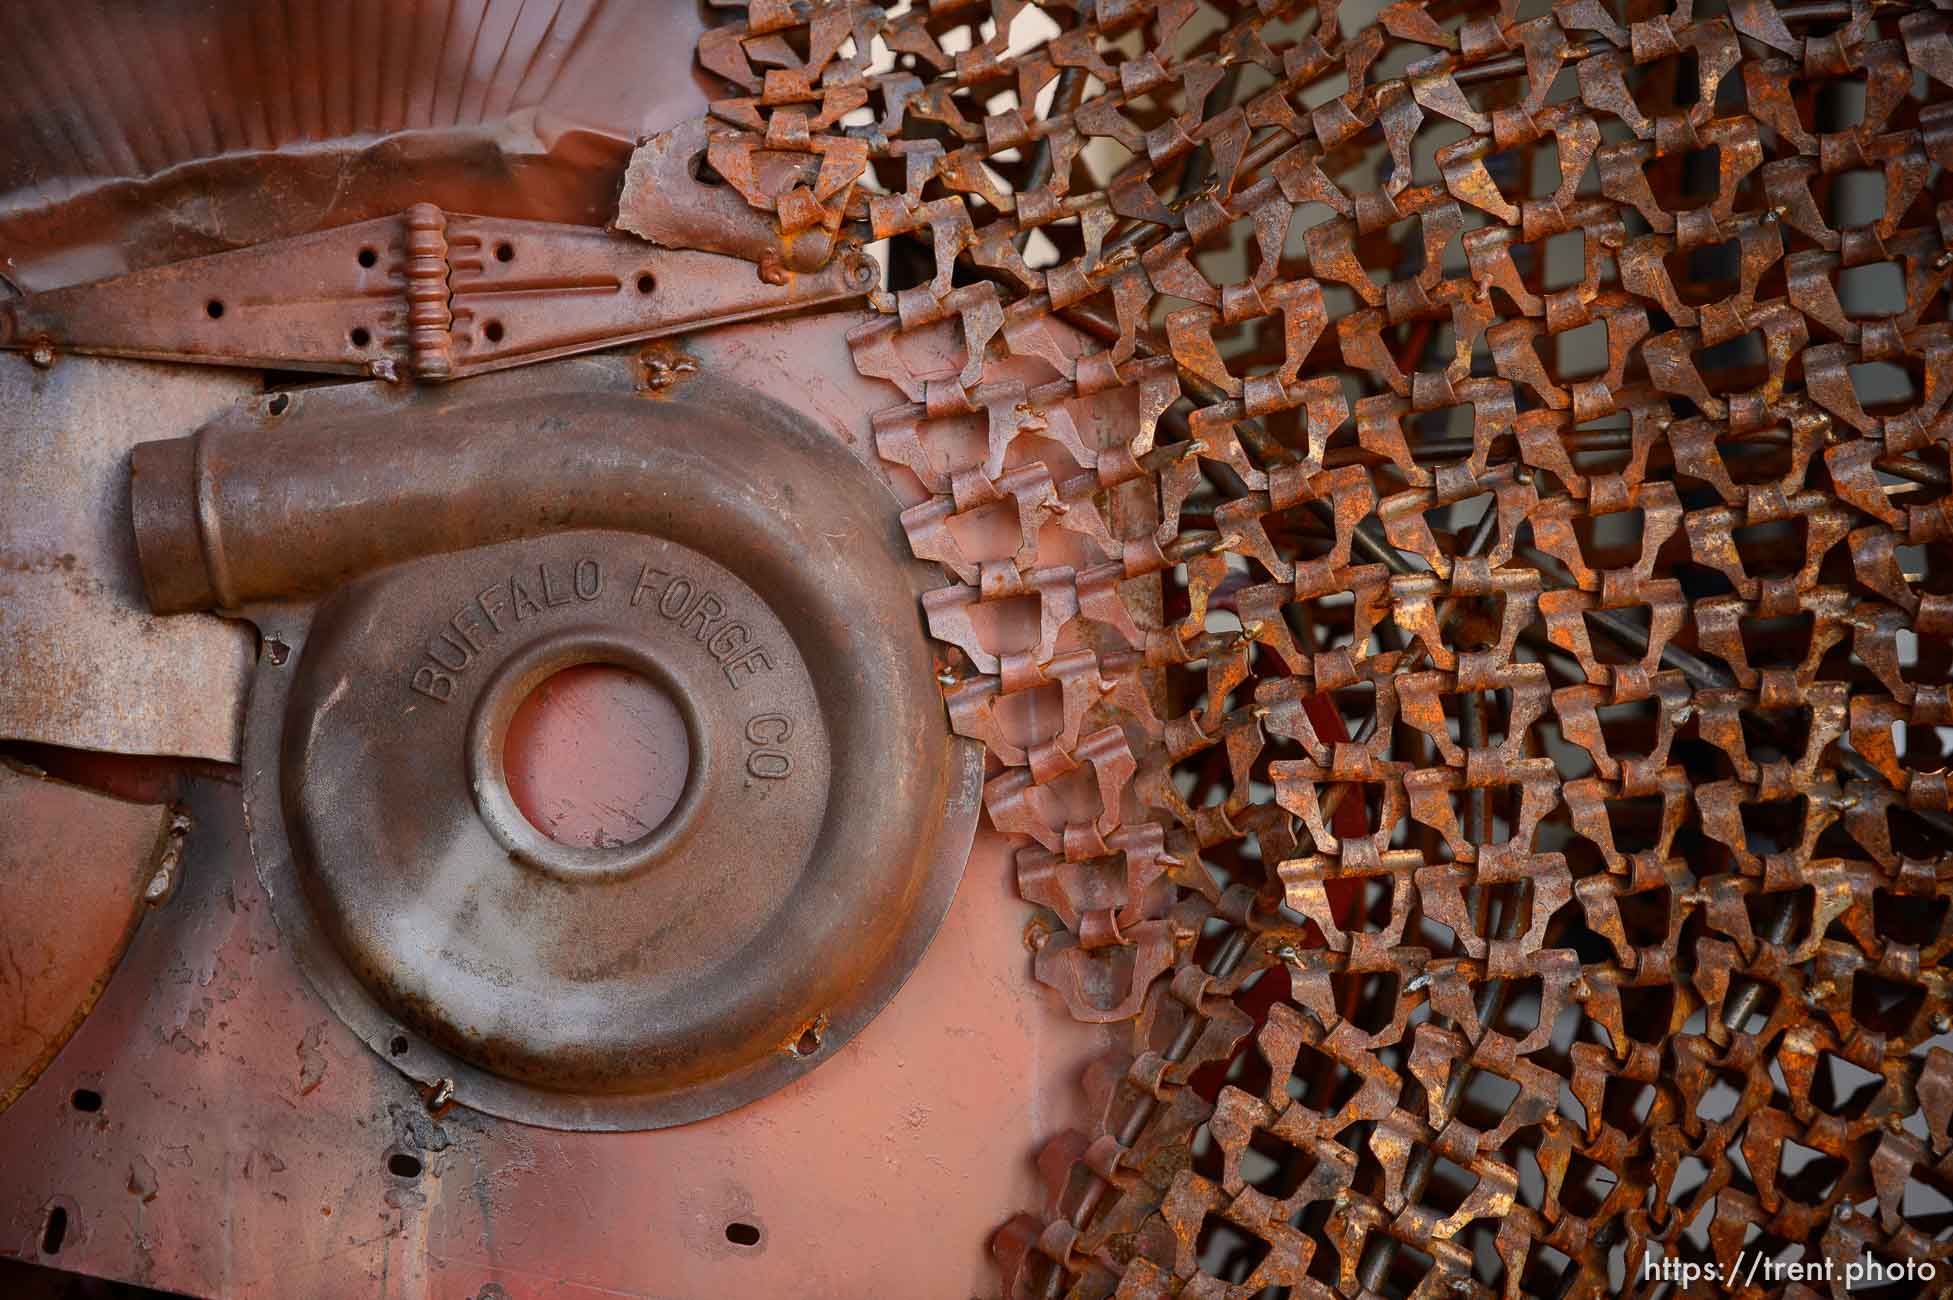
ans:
x=69 y=904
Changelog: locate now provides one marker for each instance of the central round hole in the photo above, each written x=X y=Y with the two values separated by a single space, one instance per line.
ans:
x=596 y=756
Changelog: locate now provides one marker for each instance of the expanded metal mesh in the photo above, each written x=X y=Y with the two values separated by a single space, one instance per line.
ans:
x=1460 y=613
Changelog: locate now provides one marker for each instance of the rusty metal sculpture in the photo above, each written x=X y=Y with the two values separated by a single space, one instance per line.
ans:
x=1583 y=758
x=1463 y=650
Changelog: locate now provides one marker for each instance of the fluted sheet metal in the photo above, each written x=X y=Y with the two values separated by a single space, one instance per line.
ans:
x=165 y=118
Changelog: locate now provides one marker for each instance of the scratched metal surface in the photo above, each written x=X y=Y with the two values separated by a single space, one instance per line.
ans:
x=1484 y=761
x=245 y=1140
x=1501 y=795
x=83 y=662
x=51 y=976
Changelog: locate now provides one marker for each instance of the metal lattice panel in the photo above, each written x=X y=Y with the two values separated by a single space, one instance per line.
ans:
x=1465 y=646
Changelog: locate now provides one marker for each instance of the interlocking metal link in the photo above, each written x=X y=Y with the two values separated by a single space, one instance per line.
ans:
x=1476 y=712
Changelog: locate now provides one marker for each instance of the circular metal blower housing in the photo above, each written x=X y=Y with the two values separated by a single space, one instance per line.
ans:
x=708 y=540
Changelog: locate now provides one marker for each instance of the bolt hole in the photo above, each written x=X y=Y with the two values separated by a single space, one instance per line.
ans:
x=399 y=1045
x=279 y=404
x=214 y=308
x=742 y=1234
x=645 y=283
x=361 y=337
x=367 y=257
x=86 y=1100
x=56 y=1231
x=492 y=331
x=404 y=1164
x=505 y=252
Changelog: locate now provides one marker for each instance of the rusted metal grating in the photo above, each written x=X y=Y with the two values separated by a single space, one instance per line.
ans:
x=1506 y=799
